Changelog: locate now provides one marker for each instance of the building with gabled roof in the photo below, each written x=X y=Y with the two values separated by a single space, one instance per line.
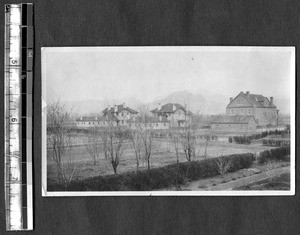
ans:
x=177 y=114
x=260 y=107
x=122 y=112
x=234 y=123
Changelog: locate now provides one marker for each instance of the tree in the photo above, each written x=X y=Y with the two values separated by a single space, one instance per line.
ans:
x=174 y=139
x=188 y=142
x=93 y=144
x=137 y=144
x=59 y=141
x=113 y=137
x=148 y=144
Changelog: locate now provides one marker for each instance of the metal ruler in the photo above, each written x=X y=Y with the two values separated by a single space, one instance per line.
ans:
x=18 y=116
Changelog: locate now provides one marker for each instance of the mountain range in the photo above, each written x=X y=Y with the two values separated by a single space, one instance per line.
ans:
x=198 y=102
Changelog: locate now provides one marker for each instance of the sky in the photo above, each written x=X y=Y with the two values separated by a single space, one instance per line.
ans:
x=101 y=73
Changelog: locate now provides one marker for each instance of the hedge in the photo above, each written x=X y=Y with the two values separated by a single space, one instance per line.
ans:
x=278 y=154
x=247 y=139
x=277 y=143
x=155 y=178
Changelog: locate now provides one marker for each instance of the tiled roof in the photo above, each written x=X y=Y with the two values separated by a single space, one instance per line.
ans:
x=148 y=119
x=91 y=119
x=168 y=108
x=120 y=108
x=257 y=100
x=95 y=119
x=232 y=119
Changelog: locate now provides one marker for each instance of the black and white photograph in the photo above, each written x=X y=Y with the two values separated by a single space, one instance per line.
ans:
x=168 y=120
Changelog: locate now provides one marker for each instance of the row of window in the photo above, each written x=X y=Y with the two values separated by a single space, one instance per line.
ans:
x=241 y=111
x=104 y=123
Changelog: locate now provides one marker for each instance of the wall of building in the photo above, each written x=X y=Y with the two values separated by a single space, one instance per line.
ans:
x=240 y=111
x=266 y=116
x=154 y=126
x=230 y=127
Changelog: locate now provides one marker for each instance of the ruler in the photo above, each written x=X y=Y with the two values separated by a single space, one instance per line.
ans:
x=18 y=116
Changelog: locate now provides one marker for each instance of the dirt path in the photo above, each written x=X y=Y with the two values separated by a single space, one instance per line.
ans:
x=194 y=186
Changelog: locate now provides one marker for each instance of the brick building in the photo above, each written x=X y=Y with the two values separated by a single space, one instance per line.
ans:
x=260 y=107
x=234 y=123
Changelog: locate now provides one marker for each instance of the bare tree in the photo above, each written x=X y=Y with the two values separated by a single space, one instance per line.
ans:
x=223 y=165
x=93 y=144
x=188 y=141
x=148 y=144
x=113 y=137
x=59 y=141
x=174 y=139
x=137 y=144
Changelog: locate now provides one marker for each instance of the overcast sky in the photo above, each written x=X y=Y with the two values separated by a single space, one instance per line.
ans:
x=84 y=73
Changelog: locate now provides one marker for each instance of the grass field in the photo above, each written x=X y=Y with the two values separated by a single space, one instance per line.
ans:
x=163 y=154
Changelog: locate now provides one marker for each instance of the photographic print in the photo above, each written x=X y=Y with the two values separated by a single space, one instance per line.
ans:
x=168 y=121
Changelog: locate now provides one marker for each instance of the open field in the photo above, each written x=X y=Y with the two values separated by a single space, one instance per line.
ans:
x=163 y=154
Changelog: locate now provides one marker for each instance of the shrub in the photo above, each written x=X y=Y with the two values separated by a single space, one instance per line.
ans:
x=278 y=154
x=156 y=178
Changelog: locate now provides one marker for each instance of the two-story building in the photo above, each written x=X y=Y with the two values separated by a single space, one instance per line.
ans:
x=245 y=113
x=260 y=107
x=122 y=112
x=175 y=113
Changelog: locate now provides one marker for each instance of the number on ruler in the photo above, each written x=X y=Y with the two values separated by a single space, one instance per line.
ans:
x=14 y=61
x=13 y=120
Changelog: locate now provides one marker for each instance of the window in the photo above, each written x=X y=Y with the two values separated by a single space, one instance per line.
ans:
x=231 y=111
x=241 y=110
x=249 y=111
x=156 y=124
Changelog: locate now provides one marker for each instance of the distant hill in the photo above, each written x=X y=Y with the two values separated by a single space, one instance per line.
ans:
x=87 y=107
x=199 y=101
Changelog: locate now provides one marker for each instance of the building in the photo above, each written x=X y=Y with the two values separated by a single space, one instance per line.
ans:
x=85 y=122
x=260 y=107
x=234 y=123
x=122 y=112
x=149 y=122
x=175 y=113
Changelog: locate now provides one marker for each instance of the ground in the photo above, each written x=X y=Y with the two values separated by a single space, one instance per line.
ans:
x=163 y=155
x=254 y=178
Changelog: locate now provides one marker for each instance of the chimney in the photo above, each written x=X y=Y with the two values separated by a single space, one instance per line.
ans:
x=174 y=107
x=247 y=93
x=231 y=99
x=271 y=101
x=116 y=108
x=108 y=107
x=124 y=106
x=158 y=106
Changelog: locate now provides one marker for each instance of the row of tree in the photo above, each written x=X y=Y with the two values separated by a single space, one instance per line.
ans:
x=112 y=141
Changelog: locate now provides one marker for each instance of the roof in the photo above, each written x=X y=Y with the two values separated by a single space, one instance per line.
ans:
x=255 y=99
x=232 y=119
x=120 y=108
x=169 y=108
x=148 y=119
x=93 y=119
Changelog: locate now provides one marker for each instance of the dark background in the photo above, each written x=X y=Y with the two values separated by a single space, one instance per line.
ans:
x=164 y=23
